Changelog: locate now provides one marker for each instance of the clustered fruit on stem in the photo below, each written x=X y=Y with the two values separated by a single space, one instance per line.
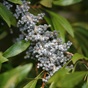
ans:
x=46 y=46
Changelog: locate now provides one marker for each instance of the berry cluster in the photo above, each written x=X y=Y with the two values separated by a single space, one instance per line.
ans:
x=7 y=4
x=45 y=45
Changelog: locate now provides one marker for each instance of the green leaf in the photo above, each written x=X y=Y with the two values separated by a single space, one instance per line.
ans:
x=52 y=85
x=63 y=79
x=72 y=79
x=58 y=75
x=49 y=21
x=16 y=49
x=87 y=81
x=2 y=59
x=11 y=78
x=65 y=2
x=78 y=56
x=82 y=30
x=81 y=34
x=85 y=85
x=61 y=24
x=32 y=84
x=46 y=3
x=16 y=1
x=7 y=16
x=3 y=35
x=81 y=24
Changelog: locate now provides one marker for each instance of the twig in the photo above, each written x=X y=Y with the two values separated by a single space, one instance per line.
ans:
x=69 y=53
x=36 y=69
x=43 y=84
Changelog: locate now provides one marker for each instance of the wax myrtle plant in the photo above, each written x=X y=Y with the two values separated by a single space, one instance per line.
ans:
x=40 y=33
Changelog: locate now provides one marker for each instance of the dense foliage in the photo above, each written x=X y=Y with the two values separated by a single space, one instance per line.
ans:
x=43 y=44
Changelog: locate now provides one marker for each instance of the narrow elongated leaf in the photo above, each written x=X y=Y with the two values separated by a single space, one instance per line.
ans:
x=3 y=35
x=7 y=16
x=81 y=34
x=71 y=80
x=11 y=78
x=53 y=85
x=56 y=26
x=82 y=30
x=49 y=21
x=59 y=27
x=2 y=59
x=46 y=3
x=16 y=49
x=81 y=24
x=65 y=2
x=85 y=85
x=64 y=79
x=78 y=56
x=87 y=82
x=16 y=1
x=58 y=75
x=61 y=24
x=32 y=84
